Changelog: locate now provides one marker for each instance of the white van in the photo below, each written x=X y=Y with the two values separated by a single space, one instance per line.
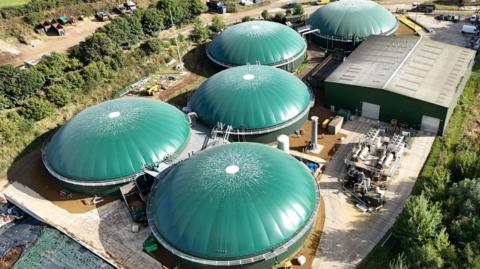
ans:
x=469 y=29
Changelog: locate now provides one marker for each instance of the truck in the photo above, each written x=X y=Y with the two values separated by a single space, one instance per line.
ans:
x=216 y=7
x=426 y=8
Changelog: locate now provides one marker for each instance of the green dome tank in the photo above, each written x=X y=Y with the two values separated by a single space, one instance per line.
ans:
x=253 y=99
x=258 y=42
x=237 y=205
x=110 y=143
x=345 y=23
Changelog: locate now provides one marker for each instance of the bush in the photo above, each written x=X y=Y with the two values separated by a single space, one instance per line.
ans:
x=36 y=108
x=9 y=132
x=200 y=32
x=265 y=15
x=247 y=18
x=298 y=10
x=23 y=125
x=58 y=95
x=152 y=46
x=73 y=81
x=466 y=164
x=217 y=24
x=279 y=17
x=5 y=103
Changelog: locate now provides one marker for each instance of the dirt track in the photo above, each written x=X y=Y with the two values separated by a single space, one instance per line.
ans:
x=49 y=44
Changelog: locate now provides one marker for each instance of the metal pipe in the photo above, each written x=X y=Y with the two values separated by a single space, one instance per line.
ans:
x=314 y=142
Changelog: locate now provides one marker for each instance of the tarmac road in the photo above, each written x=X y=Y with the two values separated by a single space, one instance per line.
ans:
x=349 y=235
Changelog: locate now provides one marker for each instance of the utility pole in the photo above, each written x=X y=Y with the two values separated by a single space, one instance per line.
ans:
x=176 y=41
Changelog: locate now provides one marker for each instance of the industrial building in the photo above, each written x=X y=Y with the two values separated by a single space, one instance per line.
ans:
x=239 y=205
x=258 y=42
x=110 y=144
x=410 y=80
x=346 y=23
x=253 y=103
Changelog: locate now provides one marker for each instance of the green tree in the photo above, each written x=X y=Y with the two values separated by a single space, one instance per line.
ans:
x=419 y=222
x=36 y=108
x=265 y=15
x=400 y=262
x=8 y=79
x=177 y=8
x=96 y=47
x=152 y=46
x=200 y=32
x=72 y=81
x=435 y=187
x=196 y=7
x=19 y=84
x=119 y=32
x=55 y=65
x=136 y=29
x=91 y=74
x=217 y=24
x=298 y=10
x=426 y=256
x=58 y=95
x=152 y=21
x=29 y=81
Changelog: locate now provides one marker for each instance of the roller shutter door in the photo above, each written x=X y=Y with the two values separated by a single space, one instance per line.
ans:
x=430 y=124
x=370 y=111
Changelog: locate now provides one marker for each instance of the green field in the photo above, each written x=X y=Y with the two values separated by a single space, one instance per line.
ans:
x=12 y=3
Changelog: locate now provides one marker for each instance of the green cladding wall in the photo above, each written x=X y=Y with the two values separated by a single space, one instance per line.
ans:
x=392 y=105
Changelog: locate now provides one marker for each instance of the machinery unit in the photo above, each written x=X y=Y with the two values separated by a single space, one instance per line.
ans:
x=374 y=159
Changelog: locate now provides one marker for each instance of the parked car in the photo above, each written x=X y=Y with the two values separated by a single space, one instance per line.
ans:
x=290 y=5
x=440 y=17
x=473 y=19
x=102 y=16
x=469 y=29
x=216 y=7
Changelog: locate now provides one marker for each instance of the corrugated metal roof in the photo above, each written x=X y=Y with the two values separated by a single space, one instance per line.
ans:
x=416 y=67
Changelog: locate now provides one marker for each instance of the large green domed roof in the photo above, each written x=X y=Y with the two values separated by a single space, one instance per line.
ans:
x=256 y=42
x=353 y=19
x=235 y=201
x=116 y=139
x=251 y=97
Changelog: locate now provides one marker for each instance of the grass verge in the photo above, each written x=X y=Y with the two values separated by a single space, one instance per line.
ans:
x=12 y=3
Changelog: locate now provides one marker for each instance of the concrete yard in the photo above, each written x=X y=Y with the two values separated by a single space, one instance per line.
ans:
x=105 y=228
x=349 y=235
x=444 y=31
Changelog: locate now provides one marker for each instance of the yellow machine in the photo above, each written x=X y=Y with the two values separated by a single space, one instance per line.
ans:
x=152 y=90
